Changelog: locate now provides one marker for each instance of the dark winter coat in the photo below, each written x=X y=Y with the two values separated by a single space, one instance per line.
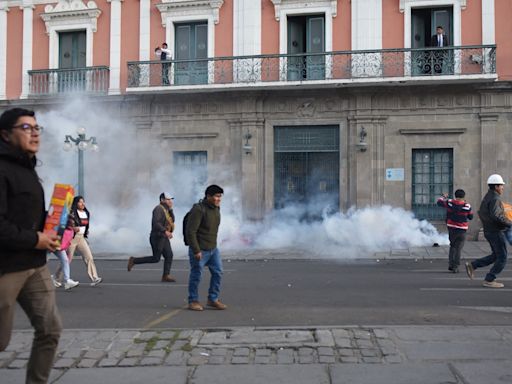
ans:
x=492 y=213
x=203 y=226
x=22 y=211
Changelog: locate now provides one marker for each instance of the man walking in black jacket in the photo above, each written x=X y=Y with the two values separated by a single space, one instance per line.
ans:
x=495 y=224
x=24 y=276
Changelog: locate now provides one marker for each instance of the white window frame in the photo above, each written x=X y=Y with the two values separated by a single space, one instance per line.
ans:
x=285 y=8
x=67 y=18
x=183 y=11
x=457 y=6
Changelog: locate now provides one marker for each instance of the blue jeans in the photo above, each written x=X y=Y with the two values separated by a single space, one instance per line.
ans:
x=212 y=260
x=498 y=256
x=508 y=235
x=64 y=265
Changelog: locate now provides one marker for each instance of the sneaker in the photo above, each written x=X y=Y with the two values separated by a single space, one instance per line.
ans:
x=131 y=263
x=470 y=271
x=168 y=279
x=70 y=284
x=492 y=284
x=96 y=281
x=216 y=304
x=195 y=306
x=56 y=284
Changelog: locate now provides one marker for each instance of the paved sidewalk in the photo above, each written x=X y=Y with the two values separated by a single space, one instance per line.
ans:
x=361 y=355
x=471 y=250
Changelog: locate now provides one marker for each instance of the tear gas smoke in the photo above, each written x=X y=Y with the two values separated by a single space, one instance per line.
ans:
x=124 y=179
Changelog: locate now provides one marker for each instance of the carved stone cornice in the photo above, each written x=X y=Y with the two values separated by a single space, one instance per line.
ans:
x=403 y=3
x=303 y=5
x=190 y=7
x=71 y=12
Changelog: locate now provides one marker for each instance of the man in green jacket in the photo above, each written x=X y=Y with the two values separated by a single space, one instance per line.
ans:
x=201 y=234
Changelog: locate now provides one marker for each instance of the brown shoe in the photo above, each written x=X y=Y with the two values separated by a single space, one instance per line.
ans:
x=131 y=263
x=216 y=304
x=168 y=279
x=195 y=306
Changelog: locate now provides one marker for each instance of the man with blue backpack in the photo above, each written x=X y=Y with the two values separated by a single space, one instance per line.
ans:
x=200 y=229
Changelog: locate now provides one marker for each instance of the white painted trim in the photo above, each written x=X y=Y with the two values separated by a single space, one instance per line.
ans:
x=145 y=31
x=488 y=17
x=62 y=18
x=115 y=47
x=367 y=24
x=457 y=5
x=283 y=24
x=246 y=28
x=3 y=49
x=170 y=31
x=54 y=43
x=28 y=15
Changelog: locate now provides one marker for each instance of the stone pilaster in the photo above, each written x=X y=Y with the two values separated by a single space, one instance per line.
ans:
x=3 y=49
x=489 y=160
x=253 y=167
x=28 y=19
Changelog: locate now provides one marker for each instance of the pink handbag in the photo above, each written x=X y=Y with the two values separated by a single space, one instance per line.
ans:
x=67 y=236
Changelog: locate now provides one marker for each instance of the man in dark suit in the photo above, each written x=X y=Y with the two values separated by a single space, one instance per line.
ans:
x=439 y=40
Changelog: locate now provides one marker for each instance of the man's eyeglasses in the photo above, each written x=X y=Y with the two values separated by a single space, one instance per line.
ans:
x=27 y=128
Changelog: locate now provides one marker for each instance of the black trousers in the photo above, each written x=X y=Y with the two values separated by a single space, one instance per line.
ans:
x=457 y=238
x=161 y=246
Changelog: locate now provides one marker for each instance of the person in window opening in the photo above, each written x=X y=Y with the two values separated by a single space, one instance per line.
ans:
x=162 y=228
x=79 y=219
x=439 y=40
x=24 y=276
x=164 y=54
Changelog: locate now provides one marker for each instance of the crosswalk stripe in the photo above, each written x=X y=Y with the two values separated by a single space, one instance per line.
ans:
x=481 y=289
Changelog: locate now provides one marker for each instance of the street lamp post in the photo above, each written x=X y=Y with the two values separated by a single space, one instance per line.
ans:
x=82 y=143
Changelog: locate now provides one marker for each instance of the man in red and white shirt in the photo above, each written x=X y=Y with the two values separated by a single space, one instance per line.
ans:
x=458 y=213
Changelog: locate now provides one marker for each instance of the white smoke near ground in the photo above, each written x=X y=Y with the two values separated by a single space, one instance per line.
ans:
x=124 y=179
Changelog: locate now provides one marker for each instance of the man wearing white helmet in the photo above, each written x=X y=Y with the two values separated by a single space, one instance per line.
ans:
x=495 y=224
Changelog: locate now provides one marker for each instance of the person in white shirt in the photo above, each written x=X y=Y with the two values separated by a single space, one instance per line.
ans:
x=79 y=221
x=164 y=54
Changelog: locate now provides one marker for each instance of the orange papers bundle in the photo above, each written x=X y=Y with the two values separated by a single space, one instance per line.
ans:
x=508 y=210
x=60 y=204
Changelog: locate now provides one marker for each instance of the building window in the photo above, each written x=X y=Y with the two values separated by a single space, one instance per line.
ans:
x=432 y=174
x=191 y=44
x=306 y=34
x=189 y=176
x=424 y=23
x=306 y=168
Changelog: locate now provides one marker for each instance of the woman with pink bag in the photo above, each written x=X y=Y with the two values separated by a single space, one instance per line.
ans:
x=63 y=267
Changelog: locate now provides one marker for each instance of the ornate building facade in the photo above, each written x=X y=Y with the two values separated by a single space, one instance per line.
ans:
x=337 y=102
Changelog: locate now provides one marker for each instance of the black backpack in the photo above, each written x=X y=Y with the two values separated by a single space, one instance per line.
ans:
x=185 y=220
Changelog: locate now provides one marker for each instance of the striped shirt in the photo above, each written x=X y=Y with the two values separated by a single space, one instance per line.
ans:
x=458 y=213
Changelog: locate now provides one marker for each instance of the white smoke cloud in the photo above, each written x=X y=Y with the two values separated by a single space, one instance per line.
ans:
x=124 y=179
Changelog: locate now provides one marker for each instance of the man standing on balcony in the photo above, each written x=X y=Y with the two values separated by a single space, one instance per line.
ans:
x=24 y=276
x=164 y=54
x=439 y=40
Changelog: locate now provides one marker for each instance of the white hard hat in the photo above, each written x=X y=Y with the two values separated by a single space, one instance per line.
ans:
x=495 y=179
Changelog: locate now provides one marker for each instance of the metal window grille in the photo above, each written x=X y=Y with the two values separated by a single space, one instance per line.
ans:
x=306 y=167
x=432 y=174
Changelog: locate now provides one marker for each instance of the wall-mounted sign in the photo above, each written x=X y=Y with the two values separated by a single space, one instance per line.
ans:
x=394 y=174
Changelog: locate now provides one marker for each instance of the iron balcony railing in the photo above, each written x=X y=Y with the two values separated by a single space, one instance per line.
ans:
x=340 y=65
x=91 y=80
